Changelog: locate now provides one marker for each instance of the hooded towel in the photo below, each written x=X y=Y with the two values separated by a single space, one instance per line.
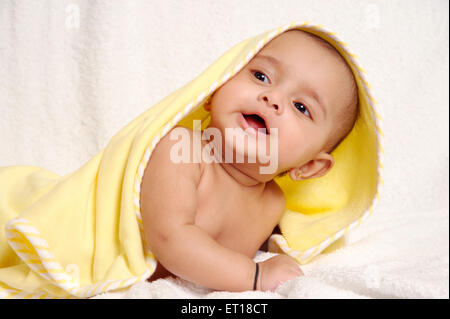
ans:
x=80 y=235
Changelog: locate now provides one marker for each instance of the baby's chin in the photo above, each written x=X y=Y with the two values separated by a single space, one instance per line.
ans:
x=251 y=151
x=254 y=153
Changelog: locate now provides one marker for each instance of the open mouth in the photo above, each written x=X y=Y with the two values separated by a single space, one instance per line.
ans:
x=255 y=121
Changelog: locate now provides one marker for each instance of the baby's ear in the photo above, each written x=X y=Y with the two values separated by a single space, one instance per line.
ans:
x=317 y=167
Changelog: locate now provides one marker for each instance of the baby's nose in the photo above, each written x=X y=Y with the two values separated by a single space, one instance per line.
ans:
x=274 y=105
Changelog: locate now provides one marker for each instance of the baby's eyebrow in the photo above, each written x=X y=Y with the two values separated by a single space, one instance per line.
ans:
x=270 y=59
x=310 y=91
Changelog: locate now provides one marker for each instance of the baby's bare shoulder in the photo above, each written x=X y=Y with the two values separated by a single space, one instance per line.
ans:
x=165 y=176
x=169 y=150
x=168 y=192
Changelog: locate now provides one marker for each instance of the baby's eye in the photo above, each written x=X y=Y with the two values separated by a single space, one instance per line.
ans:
x=301 y=107
x=259 y=75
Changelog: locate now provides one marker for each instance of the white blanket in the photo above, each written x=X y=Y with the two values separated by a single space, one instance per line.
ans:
x=386 y=260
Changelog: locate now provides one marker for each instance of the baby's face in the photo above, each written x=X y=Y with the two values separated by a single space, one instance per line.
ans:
x=297 y=86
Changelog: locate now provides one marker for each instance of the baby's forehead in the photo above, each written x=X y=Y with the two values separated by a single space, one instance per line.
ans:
x=297 y=47
x=295 y=40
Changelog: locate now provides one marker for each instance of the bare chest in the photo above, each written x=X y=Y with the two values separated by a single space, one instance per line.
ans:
x=230 y=216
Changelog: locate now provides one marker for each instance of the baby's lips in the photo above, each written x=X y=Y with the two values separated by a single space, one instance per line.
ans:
x=248 y=123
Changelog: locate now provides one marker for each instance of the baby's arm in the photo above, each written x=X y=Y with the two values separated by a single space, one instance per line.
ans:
x=169 y=205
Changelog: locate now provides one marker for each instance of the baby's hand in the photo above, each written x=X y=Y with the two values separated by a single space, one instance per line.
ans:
x=276 y=270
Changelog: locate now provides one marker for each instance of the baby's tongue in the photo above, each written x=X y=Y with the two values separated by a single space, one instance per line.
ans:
x=253 y=122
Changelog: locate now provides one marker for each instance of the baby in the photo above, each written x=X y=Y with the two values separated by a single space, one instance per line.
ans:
x=204 y=222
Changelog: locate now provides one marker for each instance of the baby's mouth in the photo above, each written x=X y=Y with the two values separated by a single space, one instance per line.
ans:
x=255 y=121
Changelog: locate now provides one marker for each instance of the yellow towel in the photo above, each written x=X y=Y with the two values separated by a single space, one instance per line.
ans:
x=79 y=235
